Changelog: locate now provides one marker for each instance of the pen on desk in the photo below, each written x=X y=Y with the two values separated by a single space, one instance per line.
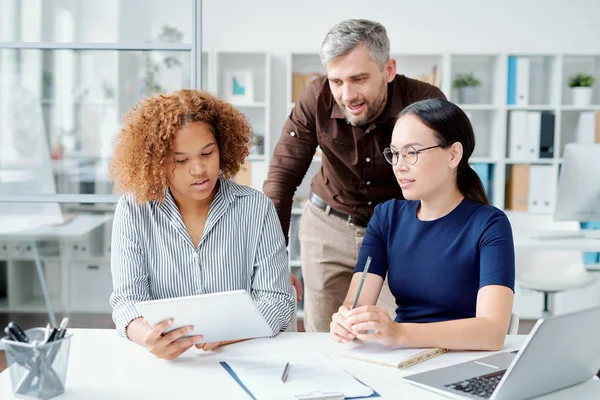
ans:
x=286 y=372
x=362 y=280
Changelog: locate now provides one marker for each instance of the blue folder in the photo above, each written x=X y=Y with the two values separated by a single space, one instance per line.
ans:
x=511 y=90
x=237 y=379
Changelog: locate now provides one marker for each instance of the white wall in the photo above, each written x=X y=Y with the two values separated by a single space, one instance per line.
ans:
x=413 y=26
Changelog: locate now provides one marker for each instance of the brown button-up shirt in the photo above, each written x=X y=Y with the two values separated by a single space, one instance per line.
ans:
x=354 y=176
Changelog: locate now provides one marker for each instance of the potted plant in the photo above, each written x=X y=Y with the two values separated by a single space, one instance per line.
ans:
x=468 y=88
x=581 y=88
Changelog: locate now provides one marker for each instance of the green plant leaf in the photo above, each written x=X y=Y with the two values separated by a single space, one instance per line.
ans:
x=581 y=80
x=466 y=80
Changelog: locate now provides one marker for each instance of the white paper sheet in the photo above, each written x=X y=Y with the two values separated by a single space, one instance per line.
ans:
x=310 y=372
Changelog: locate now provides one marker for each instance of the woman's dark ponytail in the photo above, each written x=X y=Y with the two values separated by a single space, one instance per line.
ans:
x=452 y=125
x=470 y=184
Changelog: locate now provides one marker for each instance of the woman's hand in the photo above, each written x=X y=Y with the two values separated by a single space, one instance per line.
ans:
x=171 y=345
x=375 y=319
x=339 y=327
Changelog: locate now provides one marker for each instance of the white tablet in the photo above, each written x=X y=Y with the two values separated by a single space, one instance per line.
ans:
x=217 y=316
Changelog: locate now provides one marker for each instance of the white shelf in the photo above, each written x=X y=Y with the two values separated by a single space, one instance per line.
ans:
x=257 y=104
x=295 y=263
x=480 y=107
x=533 y=107
x=593 y=107
x=482 y=160
x=545 y=161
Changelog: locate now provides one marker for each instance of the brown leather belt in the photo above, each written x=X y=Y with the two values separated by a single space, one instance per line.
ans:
x=317 y=201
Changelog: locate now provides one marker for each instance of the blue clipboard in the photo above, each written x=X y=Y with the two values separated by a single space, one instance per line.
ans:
x=237 y=379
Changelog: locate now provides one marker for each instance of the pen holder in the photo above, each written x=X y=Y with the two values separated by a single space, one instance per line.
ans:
x=37 y=371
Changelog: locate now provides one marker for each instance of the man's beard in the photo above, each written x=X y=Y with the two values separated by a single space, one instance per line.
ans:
x=372 y=108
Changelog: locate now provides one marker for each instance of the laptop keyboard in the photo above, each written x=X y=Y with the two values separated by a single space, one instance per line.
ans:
x=481 y=386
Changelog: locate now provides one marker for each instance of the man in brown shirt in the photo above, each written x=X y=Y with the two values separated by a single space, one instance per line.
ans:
x=349 y=114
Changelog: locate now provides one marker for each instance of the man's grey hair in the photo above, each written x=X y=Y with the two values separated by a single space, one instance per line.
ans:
x=349 y=34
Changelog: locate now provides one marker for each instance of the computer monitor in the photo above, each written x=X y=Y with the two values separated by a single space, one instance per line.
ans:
x=578 y=194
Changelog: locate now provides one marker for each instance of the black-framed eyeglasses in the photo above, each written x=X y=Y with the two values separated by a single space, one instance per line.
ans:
x=409 y=153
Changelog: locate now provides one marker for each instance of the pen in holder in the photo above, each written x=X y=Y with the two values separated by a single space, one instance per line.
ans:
x=38 y=369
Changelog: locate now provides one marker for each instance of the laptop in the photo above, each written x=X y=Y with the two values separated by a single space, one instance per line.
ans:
x=560 y=351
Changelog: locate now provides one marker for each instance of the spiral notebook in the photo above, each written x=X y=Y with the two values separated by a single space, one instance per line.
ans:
x=392 y=356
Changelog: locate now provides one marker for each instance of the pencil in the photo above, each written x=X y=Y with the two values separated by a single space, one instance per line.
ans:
x=362 y=280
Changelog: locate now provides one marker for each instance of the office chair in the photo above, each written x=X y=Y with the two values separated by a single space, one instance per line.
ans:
x=549 y=271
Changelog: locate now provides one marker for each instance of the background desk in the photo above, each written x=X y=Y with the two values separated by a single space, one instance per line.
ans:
x=19 y=245
x=105 y=366
x=525 y=240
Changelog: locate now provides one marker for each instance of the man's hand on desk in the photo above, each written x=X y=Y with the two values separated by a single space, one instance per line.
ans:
x=168 y=346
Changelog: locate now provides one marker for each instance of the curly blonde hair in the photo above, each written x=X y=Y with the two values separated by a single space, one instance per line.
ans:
x=144 y=144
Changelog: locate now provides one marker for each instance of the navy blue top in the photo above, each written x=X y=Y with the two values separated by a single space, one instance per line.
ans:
x=435 y=268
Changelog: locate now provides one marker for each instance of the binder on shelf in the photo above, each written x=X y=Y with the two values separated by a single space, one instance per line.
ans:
x=542 y=188
x=300 y=82
x=512 y=80
x=485 y=174
x=517 y=188
x=547 y=135
x=522 y=82
x=517 y=133
x=533 y=135
x=518 y=81
x=587 y=127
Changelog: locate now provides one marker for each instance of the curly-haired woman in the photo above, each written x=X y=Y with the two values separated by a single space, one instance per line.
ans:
x=182 y=227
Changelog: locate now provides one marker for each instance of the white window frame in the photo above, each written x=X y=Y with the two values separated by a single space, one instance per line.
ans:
x=195 y=48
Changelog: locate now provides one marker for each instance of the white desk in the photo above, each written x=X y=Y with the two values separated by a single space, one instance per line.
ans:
x=14 y=228
x=524 y=240
x=105 y=366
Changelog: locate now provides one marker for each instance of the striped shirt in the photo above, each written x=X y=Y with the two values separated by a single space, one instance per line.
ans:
x=242 y=247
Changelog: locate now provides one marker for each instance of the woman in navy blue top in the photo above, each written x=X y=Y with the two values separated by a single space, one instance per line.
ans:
x=447 y=253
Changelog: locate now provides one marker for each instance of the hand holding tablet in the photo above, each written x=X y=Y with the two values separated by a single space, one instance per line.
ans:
x=216 y=317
